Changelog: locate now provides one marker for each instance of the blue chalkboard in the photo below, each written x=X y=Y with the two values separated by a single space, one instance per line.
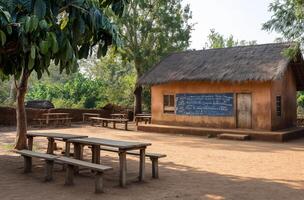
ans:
x=205 y=104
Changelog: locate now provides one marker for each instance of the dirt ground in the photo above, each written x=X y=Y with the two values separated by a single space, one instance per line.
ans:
x=195 y=168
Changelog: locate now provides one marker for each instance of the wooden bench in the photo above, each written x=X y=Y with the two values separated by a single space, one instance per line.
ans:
x=72 y=163
x=153 y=157
x=49 y=162
x=105 y=121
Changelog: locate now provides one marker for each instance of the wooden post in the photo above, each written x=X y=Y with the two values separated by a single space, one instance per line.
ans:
x=50 y=149
x=27 y=164
x=122 y=166
x=97 y=154
x=30 y=142
x=142 y=159
x=49 y=164
x=93 y=154
x=69 y=175
x=154 y=167
x=98 y=182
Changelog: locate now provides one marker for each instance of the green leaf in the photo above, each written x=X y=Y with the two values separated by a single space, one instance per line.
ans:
x=3 y=38
x=33 y=52
x=31 y=62
x=64 y=22
x=43 y=24
x=55 y=47
x=44 y=47
x=27 y=24
x=40 y=8
x=33 y=23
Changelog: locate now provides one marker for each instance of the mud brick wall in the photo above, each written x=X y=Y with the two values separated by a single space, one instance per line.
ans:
x=8 y=114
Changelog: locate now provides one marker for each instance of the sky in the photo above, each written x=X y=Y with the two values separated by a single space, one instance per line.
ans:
x=241 y=18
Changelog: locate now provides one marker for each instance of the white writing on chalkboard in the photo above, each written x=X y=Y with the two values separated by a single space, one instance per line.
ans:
x=205 y=104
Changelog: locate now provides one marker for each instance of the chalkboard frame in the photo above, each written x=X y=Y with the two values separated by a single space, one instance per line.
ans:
x=229 y=113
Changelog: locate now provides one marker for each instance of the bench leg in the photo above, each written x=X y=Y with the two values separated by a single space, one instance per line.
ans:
x=49 y=164
x=98 y=182
x=69 y=175
x=27 y=164
x=154 y=167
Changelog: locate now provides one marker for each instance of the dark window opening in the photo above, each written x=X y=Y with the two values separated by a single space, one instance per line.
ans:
x=169 y=104
x=279 y=106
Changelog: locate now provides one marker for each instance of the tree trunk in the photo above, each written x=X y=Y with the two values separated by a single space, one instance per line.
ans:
x=20 y=112
x=137 y=100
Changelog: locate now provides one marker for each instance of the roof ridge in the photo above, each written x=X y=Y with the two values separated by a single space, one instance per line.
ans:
x=241 y=46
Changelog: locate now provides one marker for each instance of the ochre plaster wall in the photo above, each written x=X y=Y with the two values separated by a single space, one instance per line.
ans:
x=261 y=105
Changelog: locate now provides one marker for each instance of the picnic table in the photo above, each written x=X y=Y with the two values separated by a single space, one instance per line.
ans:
x=122 y=146
x=119 y=116
x=88 y=115
x=51 y=139
x=143 y=117
x=57 y=118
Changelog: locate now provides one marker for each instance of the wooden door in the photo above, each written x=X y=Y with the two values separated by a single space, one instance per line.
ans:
x=244 y=110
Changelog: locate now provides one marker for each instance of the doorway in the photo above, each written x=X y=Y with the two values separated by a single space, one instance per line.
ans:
x=244 y=110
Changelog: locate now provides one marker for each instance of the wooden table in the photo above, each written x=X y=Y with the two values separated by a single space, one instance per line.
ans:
x=119 y=116
x=51 y=139
x=87 y=115
x=123 y=147
x=143 y=117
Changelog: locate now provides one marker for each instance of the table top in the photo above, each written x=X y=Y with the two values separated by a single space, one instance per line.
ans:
x=56 y=135
x=55 y=113
x=123 y=145
x=118 y=114
x=145 y=115
x=90 y=114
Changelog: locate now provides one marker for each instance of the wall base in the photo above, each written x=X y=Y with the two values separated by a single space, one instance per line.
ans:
x=274 y=136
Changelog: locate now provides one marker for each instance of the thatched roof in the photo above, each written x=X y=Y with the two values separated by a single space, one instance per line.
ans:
x=245 y=63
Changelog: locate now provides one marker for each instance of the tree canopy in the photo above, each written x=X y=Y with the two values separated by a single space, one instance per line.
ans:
x=35 y=32
x=217 y=40
x=287 y=19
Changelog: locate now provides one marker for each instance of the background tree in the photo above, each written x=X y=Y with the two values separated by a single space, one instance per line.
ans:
x=217 y=40
x=152 y=29
x=35 y=32
x=287 y=19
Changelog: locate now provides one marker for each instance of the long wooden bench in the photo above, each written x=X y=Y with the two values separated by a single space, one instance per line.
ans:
x=72 y=163
x=49 y=162
x=153 y=157
x=104 y=121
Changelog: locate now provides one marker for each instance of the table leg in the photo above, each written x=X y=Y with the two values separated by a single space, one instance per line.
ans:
x=77 y=152
x=83 y=118
x=30 y=142
x=142 y=160
x=50 y=149
x=122 y=166
x=96 y=154
x=67 y=148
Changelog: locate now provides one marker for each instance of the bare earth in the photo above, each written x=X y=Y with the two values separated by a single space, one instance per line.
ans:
x=195 y=168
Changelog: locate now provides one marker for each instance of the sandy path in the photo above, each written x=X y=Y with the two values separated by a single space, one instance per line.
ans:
x=196 y=168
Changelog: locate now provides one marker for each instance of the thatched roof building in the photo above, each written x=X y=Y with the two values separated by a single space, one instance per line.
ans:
x=245 y=63
x=249 y=87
